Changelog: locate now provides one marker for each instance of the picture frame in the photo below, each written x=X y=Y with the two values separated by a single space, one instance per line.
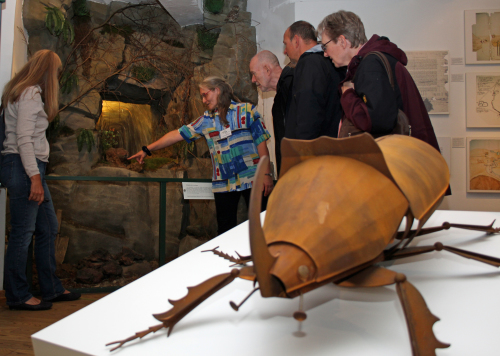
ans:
x=483 y=99
x=482 y=36
x=483 y=164
x=430 y=72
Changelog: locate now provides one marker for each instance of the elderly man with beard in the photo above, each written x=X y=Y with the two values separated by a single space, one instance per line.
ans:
x=268 y=76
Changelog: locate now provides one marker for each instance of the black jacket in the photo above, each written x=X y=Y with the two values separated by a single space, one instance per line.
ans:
x=315 y=108
x=280 y=107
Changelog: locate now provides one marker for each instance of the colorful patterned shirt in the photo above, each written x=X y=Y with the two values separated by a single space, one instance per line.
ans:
x=234 y=158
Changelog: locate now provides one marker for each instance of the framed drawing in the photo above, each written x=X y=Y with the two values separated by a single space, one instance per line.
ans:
x=429 y=70
x=483 y=99
x=482 y=36
x=483 y=165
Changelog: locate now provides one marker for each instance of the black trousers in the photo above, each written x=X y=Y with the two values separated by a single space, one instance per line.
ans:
x=226 y=205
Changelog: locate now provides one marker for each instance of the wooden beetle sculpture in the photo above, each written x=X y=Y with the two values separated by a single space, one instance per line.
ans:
x=349 y=198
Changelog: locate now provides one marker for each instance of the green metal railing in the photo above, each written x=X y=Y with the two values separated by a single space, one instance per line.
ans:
x=163 y=210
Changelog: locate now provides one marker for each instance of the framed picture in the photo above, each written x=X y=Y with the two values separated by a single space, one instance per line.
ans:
x=482 y=36
x=483 y=99
x=483 y=165
x=429 y=70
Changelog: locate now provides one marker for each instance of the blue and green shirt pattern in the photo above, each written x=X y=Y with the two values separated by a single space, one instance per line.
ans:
x=234 y=158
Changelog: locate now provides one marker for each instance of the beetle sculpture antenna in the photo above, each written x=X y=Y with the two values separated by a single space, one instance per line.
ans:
x=263 y=261
x=241 y=260
x=349 y=198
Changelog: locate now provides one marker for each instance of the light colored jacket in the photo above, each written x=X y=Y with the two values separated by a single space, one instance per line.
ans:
x=25 y=126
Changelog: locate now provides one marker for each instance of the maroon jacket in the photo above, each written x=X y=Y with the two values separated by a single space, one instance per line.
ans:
x=373 y=105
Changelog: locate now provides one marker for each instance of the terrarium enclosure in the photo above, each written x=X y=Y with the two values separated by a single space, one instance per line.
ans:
x=130 y=74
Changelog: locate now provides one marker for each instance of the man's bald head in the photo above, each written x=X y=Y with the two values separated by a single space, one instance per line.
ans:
x=267 y=57
x=266 y=70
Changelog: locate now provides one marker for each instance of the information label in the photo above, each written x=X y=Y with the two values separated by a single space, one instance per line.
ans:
x=458 y=142
x=197 y=190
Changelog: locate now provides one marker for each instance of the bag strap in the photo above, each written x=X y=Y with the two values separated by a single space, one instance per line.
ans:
x=403 y=120
x=386 y=64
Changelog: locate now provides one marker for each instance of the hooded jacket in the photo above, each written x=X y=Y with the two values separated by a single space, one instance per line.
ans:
x=373 y=105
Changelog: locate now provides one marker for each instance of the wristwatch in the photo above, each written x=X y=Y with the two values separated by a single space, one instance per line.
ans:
x=145 y=149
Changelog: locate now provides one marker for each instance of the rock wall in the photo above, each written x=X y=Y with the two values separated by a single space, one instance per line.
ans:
x=111 y=48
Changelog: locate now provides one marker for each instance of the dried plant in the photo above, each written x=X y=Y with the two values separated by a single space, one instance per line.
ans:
x=134 y=45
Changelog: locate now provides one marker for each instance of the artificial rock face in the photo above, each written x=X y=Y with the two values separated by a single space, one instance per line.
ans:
x=135 y=53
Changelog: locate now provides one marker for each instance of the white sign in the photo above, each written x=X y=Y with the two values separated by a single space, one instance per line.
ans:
x=458 y=142
x=197 y=190
x=457 y=61
x=457 y=77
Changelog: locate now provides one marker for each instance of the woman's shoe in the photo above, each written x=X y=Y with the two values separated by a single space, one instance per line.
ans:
x=43 y=305
x=65 y=297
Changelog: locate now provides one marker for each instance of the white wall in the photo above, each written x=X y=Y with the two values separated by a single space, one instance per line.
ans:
x=20 y=50
x=270 y=22
x=6 y=41
x=413 y=25
x=13 y=50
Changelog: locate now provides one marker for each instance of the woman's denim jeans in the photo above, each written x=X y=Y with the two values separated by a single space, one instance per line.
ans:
x=28 y=219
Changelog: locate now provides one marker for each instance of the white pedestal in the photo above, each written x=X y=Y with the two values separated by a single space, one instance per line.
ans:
x=464 y=294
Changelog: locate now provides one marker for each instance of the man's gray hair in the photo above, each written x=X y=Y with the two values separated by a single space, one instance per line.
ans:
x=344 y=23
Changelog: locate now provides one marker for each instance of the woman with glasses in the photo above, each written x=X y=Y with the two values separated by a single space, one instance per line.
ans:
x=236 y=138
x=30 y=101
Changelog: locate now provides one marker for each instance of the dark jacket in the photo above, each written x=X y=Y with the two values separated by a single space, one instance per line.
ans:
x=280 y=107
x=315 y=108
x=373 y=105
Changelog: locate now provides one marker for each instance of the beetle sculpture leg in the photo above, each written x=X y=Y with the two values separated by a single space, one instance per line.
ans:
x=419 y=319
x=489 y=229
x=180 y=308
x=438 y=246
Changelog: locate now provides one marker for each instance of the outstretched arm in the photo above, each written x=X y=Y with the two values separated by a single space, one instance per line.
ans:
x=167 y=140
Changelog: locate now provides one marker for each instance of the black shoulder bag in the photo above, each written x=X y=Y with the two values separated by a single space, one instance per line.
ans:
x=402 y=127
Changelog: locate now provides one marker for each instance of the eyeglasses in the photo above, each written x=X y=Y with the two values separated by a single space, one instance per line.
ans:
x=323 y=45
x=204 y=95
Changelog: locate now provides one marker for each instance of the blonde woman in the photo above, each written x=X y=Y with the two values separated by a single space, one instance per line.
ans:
x=30 y=102
x=236 y=138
